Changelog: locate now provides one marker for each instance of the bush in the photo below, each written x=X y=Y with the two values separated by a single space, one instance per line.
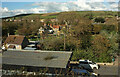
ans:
x=90 y=55
x=99 y=19
x=104 y=57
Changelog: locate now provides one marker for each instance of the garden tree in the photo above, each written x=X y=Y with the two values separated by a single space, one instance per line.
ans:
x=97 y=28
x=78 y=27
x=89 y=15
x=99 y=20
x=101 y=48
x=24 y=29
x=113 y=40
x=8 y=27
x=82 y=32
x=111 y=24
x=67 y=18
x=35 y=26
x=100 y=44
x=52 y=43
x=48 y=21
x=70 y=17
x=28 y=28
x=84 y=54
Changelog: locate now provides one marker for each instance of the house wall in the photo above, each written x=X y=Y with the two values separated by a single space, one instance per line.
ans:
x=18 y=46
x=56 y=30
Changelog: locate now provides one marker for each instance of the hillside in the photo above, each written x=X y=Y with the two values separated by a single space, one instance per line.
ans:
x=54 y=15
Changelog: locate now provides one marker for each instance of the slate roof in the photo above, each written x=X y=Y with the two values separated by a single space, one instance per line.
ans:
x=14 y=39
x=53 y=59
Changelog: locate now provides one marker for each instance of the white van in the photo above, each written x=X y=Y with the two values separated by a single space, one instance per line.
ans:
x=87 y=64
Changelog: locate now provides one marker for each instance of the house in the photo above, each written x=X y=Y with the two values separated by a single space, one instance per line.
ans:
x=19 y=20
x=54 y=20
x=41 y=30
x=7 y=20
x=56 y=28
x=15 y=20
x=42 y=20
x=36 y=59
x=11 y=20
x=32 y=20
x=16 y=42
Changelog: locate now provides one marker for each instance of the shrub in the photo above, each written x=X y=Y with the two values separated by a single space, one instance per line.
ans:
x=100 y=19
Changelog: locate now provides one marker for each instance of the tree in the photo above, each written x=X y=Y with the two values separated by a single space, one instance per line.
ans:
x=111 y=24
x=97 y=28
x=52 y=43
x=8 y=27
x=70 y=17
x=113 y=40
x=89 y=15
x=28 y=28
x=100 y=44
x=48 y=21
x=81 y=32
x=99 y=20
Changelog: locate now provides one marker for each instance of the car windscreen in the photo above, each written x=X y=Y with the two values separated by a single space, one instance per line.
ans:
x=82 y=62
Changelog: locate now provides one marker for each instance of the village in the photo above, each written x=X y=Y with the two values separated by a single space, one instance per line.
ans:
x=69 y=44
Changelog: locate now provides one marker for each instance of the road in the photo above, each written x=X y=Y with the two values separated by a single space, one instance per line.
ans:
x=107 y=70
x=111 y=70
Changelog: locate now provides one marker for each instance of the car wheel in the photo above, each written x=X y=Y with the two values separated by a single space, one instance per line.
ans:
x=94 y=69
x=98 y=66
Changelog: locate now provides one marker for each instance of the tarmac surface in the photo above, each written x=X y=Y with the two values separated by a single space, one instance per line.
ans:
x=110 y=70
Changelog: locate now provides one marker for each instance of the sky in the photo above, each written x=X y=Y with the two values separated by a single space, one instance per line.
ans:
x=13 y=7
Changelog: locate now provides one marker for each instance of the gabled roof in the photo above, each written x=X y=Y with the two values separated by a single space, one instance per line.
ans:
x=56 y=26
x=38 y=58
x=14 y=39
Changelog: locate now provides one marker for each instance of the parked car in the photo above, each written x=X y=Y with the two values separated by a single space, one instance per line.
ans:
x=83 y=72
x=87 y=64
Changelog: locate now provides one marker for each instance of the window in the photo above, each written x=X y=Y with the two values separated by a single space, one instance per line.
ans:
x=90 y=63
x=82 y=62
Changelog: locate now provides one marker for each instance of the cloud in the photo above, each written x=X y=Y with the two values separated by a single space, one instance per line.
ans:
x=113 y=6
x=6 y=12
x=47 y=7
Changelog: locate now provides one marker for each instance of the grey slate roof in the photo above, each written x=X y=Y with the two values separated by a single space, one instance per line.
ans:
x=54 y=59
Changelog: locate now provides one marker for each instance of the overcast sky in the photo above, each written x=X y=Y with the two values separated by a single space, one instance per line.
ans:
x=12 y=7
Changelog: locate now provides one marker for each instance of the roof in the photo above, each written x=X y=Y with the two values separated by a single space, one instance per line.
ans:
x=56 y=26
x=53 y=59
x=14 y=39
